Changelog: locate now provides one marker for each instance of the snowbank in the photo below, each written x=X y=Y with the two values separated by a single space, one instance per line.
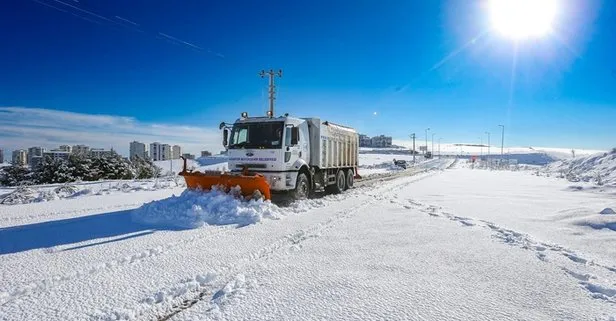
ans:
x=193 y=209
x=598 y=168
x=598 y=221
x=45 y=193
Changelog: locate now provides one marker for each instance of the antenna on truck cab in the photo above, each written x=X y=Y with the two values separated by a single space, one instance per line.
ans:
x=272 y=88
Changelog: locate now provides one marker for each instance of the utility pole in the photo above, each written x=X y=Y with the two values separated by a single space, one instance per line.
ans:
x=272 y=87
x=439 y=147
x=502 y=141
x=427 y=129
x=414 y=152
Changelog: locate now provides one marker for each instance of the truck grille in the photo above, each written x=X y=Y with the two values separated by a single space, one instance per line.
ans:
x=251 y=165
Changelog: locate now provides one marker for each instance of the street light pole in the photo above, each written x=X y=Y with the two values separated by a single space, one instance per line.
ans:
x=488 y=143
x=414 y=152
x=502 y=141
x=480 y=148
x=439 y=147
x=433 y=144
x=488 y=156
x=427 y=129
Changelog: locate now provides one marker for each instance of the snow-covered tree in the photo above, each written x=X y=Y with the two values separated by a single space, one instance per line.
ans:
x=53 y=171
x=15 y=176
x=80 y=167
x=112 y=167
x=144 y=168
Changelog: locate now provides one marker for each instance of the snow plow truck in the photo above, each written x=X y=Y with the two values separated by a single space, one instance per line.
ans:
x=296 y=156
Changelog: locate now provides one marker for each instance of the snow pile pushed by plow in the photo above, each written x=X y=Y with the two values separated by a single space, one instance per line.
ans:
x=194 y=208
x=598 y=168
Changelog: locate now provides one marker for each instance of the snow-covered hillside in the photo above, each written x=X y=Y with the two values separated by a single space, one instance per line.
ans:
x=599 y=168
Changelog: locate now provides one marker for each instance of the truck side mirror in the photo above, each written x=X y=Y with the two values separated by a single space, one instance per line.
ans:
x=294 y=135
x=225 y=137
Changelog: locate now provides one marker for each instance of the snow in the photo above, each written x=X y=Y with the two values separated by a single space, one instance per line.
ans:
x=193 y=209
x=441 y=244
x=598 y=168
x=50 y=192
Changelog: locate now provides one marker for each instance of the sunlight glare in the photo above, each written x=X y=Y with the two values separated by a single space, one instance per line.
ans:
x=520 y=19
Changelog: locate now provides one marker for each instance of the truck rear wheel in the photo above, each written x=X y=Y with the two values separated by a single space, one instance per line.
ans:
x=340 y=184
x=350 y=178
x=302 y=187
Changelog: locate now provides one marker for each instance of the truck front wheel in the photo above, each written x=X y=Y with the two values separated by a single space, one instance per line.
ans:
x=302 y=187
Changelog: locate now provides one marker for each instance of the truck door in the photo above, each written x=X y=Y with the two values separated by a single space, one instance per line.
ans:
x=292 y=140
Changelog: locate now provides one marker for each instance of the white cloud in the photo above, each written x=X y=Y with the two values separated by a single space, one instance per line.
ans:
x=22 y=127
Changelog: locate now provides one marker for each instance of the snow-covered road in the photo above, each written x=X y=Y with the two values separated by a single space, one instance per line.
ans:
x=458 y=244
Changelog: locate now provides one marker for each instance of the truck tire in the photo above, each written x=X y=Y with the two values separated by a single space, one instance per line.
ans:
x=350 y=178
x=302 y=187
x=340 y=184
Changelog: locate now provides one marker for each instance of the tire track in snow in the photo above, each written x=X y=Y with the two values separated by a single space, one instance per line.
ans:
x=524 y=241
x=292 y=241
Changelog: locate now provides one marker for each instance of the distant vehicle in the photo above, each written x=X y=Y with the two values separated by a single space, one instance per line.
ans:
x=400 y=163
x=428 y=155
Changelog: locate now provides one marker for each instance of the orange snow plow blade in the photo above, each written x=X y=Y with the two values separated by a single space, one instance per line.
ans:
x=248 y=182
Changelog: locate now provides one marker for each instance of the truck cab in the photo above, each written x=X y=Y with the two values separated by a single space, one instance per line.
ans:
x=276 y=148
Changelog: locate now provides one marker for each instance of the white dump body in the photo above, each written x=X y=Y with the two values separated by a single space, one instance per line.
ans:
x=332 y=145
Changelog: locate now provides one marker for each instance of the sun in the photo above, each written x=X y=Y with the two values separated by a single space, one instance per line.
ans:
x=521 y=19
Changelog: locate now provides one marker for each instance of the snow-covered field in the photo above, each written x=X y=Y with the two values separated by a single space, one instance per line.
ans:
x=455 y=244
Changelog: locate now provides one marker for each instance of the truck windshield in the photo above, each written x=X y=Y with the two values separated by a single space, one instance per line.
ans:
x=257 y=135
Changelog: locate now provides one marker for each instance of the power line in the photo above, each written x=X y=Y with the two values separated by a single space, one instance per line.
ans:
x=123 y=22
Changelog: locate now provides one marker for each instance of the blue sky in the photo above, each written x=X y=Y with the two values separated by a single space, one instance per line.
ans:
x=185 y=66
